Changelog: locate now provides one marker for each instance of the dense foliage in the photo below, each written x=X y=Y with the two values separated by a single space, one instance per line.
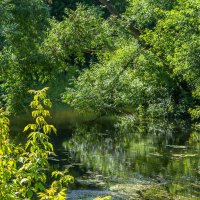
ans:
x=113 y=56
x=108 y=57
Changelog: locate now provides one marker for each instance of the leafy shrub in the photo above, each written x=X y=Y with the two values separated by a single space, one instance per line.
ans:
x=23 y=169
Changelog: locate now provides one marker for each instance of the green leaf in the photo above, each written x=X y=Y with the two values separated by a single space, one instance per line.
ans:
x=39 y=186
x=29 y=193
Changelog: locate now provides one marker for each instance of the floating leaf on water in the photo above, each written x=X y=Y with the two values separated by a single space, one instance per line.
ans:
x=156 y=154
x=76 y=164
x=177 y=146
x=68 y=166
x=184 y=155
x=53 y=159
x=99 y=175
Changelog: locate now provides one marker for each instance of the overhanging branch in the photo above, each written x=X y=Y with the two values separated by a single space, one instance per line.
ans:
x=110 y=7
x=114 y=12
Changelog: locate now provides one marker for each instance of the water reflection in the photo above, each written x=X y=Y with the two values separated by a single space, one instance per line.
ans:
x=132 y=151
x=126 y=150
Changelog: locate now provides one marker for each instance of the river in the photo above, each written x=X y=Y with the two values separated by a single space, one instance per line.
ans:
x=120 y=155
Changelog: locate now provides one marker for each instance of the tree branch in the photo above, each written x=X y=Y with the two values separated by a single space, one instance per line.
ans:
x=110 y=7
x=114 y=12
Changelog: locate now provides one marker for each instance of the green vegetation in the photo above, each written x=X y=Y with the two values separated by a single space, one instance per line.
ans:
x=113 y=56
x=24 y=169
x=134 y=59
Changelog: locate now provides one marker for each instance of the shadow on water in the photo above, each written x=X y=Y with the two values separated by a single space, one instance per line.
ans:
x=121 y=151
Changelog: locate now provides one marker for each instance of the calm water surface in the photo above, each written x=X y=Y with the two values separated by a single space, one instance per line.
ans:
x=112 y=151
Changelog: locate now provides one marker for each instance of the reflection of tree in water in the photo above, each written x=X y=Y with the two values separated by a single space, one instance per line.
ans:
x=194 y=139
x=132 y=147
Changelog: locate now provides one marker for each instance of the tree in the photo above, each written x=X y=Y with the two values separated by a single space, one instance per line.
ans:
x=165 y=63
x=23 y=30
x=147 y=48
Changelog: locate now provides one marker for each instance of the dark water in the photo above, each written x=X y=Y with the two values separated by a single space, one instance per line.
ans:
x=110 y=151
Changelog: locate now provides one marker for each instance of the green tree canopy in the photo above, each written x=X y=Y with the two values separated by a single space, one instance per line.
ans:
x=111 y=55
